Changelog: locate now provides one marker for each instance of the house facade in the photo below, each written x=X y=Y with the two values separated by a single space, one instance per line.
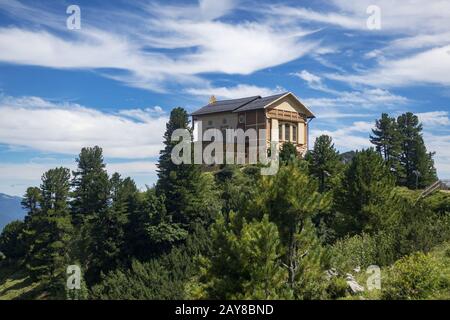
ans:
x=284 y=117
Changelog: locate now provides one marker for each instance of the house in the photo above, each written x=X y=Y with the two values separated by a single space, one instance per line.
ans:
x=284 y=117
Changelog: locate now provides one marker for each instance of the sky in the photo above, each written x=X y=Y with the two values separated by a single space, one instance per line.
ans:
x=113 y=81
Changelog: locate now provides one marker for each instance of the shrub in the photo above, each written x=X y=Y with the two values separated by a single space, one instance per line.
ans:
x=337 y=288
x=413 y=277
x=351 y=252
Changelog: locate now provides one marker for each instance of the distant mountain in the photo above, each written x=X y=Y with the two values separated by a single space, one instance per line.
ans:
x=348 y=156
x=10 y=209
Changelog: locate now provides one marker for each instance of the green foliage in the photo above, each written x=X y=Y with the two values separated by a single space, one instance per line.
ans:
x=161 y=278
x=238 y=186
x=356 y=251
x=51 y=231
x=337 y=288
x=324 y=161
x=287 y=229
x=288 y=152
x=388 y=141
x=245 y=262
x=190 y=196
x=401 y=144
x=107 y=241
x=367 y=182
x=91 y=186
x=11 y=240
x=414 y=277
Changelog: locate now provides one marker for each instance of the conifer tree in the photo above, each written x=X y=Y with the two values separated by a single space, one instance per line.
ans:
x=418 y=164
x=245 y=263
x=190 y=196
x=387 y=139
x=366 y=183
x=292 y=200
x=91 y=186
x=108 y=246
x=324 y=161
x=49 y=252
x=11 y=240
x=288 y=152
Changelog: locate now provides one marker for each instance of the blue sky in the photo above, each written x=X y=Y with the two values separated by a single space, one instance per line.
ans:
x=113 y=82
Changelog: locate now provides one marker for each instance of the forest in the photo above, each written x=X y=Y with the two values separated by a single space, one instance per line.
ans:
x=226 y=232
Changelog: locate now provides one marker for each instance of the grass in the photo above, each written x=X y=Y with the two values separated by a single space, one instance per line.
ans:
x=16 y=285
x=441 y=255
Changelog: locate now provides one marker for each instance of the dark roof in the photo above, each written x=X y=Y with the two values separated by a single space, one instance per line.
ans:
x=260 y=103
x=243 y=104
x=225 y=105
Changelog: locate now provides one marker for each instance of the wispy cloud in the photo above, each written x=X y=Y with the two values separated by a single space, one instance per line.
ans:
x=65 y=128
x=428 y=67
x=132 y=46
x=238 y=91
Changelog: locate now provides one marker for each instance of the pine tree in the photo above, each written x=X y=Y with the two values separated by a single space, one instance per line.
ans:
x=108 y=247
x=418 y=164
x=366 y=183
x=49 y=253
x=292 y=200
x=324 y=161
x=11 y=241
x=245 y=263
x=91 y=185
x=288 y=152
x=387 y=139
x=190 y=196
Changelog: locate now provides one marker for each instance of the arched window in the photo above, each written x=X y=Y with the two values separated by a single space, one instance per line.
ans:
x=287 y=132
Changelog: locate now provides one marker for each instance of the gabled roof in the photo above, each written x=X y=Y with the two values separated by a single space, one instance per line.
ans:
x=224 y=106
x=260 y=103
x=247 y=104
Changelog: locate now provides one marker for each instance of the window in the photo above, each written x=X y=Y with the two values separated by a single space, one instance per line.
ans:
x=241 y=118
x=294 y=133
x=210 y=123
x=224 y=132
x=224 y=121
x=280 y=132
x=287 y=132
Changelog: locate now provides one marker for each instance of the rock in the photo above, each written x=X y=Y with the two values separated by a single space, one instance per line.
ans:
x=355 y=287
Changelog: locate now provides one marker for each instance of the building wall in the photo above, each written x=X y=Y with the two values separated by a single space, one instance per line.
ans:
x=215 y=120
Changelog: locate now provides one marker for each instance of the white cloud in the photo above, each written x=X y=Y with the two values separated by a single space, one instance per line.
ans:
x=17 y=177
x=131 y=44
x=402 y=16
x=441 y=145
x=308 y=77
x=434 y=118
x=212 y=9
x=66 y=128
x=352 y=137
x=367 y=98
x=238 y=91
x=428 y=67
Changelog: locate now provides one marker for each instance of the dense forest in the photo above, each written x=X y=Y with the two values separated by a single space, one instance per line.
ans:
x=229 y=233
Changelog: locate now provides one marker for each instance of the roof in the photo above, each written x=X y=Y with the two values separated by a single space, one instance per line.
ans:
x=260 y=103
x=224 y=105
x=245 y=104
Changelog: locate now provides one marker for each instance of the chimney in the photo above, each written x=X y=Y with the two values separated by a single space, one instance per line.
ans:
x=212 y=100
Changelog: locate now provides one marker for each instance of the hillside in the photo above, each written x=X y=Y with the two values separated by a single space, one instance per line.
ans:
x=10 y=209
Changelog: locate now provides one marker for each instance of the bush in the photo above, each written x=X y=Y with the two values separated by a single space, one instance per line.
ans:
x=413 y=277
x=337 y=288
x=352 y=252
